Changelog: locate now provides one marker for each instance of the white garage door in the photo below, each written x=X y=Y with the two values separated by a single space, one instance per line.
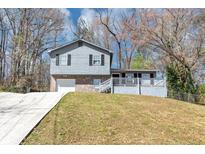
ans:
x=65 y=85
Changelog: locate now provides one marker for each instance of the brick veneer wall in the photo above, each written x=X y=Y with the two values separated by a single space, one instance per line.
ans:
x=52 y=84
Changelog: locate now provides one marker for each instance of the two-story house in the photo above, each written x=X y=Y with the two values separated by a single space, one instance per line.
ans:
x=84 y=66
x=79 y=66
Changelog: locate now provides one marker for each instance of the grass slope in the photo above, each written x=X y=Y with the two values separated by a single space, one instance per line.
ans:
x=93 y=118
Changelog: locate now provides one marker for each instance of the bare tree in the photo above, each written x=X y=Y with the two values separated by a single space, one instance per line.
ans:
x=84 y=31
x=32 y=32
x=125 y=29
x=175 y=32
x=109 y=22
x=3 y=46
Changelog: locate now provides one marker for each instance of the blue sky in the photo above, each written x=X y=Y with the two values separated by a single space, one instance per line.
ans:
x=75 y=14
x=88 y=15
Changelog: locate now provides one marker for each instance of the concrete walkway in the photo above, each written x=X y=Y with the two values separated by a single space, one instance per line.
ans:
x=19 y=113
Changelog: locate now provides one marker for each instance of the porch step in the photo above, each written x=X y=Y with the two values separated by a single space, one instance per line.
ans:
x=105 y=86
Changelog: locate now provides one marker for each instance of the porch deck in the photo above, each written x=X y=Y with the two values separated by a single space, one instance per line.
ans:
x=151 y=87
x=134 y=82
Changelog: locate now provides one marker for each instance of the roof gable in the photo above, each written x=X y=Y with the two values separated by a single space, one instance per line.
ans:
x=80 y=42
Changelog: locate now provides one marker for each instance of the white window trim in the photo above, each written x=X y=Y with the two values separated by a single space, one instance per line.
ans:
x=96 y=58
x=62 y=60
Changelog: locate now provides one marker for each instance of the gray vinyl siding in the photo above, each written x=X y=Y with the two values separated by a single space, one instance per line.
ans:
x=79 y=61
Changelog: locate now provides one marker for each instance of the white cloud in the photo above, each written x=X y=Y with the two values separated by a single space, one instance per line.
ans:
x=65 y=11
x=88 y=15
x=67 y=33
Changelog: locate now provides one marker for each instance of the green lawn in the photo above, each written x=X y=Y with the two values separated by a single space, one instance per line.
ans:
x=93 y=118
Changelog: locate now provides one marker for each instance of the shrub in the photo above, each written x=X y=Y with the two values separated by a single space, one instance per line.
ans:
x=180 y=83
x=16 y=89
x=202 y=89
x=2 y=88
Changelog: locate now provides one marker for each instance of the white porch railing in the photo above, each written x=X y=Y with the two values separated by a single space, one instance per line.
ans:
x=129 y=82
x=136 y=81
x=125 y=81
x=104 y=86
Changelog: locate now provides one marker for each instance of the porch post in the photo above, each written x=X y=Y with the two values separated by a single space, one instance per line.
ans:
x=111 y=82
x=139 y=86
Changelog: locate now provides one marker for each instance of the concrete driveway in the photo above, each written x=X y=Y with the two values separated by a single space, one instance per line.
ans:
x=19 y=113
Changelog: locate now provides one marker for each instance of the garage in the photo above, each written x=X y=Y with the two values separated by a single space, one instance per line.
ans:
x=65 y=85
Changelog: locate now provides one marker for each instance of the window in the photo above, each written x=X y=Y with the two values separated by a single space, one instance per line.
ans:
x=62 y=60
x=96 y=60
x=129 y=75
x=151 y=75
x=146 y=76
x=96 y=82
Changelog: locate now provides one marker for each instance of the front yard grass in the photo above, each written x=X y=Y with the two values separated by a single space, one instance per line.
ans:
x=93 y=118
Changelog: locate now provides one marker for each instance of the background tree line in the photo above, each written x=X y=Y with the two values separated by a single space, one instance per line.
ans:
x=166 y=39
x=25 y=35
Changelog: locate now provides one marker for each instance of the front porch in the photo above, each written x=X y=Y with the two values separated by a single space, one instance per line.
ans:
x=133 y=77
x=139 y=86
x=142 y=82
x=133 y=82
